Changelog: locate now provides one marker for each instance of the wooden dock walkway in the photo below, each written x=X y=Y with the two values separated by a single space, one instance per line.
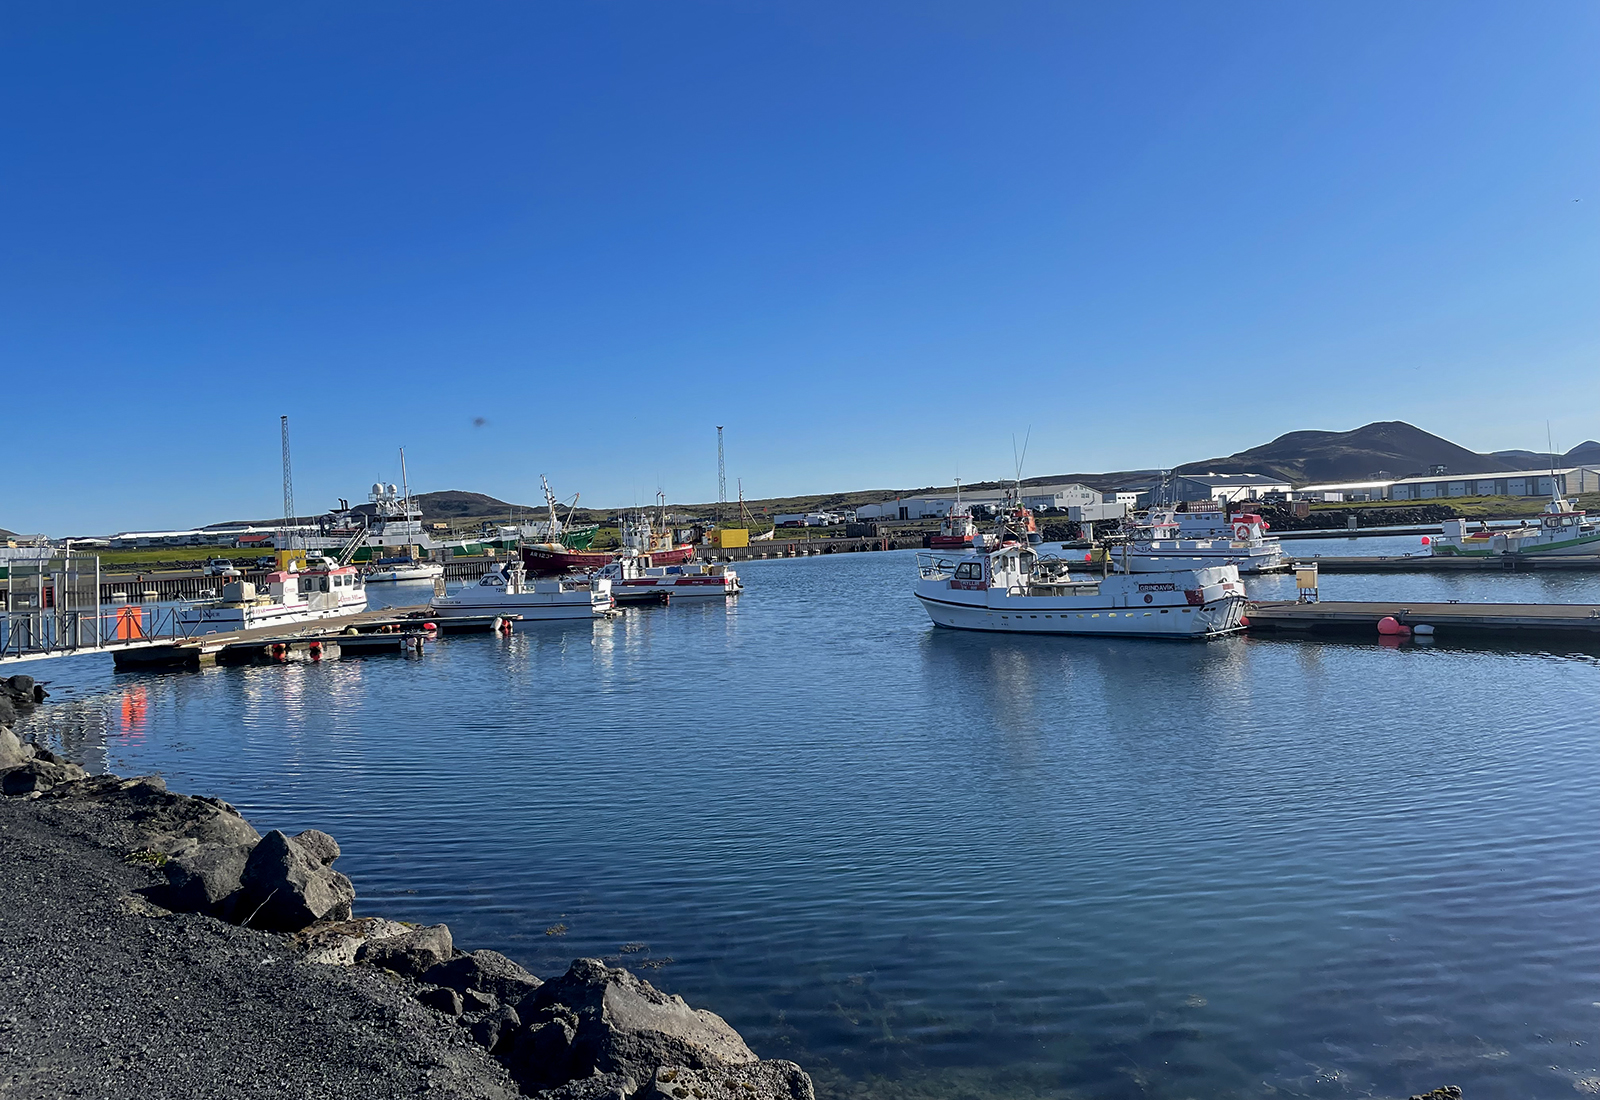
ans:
x=1445 y=563
x=389 y=630
x=1449 y=620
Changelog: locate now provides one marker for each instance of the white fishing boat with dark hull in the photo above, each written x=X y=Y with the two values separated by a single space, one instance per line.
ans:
x=1010 y=588
x=507 y=591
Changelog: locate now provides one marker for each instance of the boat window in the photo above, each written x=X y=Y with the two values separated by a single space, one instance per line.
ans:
x=969 y=571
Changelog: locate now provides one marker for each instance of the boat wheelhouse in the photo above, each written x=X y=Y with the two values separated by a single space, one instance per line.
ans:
x=1010 y=588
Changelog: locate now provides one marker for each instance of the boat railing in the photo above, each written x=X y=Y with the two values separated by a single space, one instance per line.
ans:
x=934 y=567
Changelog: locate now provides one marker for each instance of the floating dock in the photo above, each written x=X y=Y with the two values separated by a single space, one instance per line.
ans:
x=391 y=630
x=1452 y=563
x=1477 y=621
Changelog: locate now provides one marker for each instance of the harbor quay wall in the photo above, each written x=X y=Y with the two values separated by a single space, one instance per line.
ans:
x=158 y=945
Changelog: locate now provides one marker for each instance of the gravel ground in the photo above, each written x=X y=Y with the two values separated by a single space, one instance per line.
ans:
x=104 y=995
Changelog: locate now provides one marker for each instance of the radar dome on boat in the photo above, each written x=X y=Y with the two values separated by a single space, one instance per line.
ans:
x=392 y=489
x=377 y=488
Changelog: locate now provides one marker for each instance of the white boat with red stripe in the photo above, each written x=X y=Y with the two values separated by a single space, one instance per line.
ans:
x=633 y=582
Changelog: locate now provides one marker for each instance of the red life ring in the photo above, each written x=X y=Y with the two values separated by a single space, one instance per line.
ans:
x=1241 y=530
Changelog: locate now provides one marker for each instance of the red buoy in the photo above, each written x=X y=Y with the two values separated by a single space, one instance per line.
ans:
x=1392 y=626
x=1244 y=620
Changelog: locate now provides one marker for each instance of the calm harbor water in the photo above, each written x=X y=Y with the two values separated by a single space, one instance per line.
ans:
x=927 y=863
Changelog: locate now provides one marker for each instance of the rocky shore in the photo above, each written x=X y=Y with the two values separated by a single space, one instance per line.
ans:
x=154 y=944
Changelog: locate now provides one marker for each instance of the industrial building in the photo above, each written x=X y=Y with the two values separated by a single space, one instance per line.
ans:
x=1063 y=495
x=1569 y=481
x=1233 y=488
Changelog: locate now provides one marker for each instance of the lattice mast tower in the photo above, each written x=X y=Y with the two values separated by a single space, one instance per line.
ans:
x=288 y=489
x=722 y=479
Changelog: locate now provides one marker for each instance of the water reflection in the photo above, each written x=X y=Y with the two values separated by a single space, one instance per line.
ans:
x=925 y=862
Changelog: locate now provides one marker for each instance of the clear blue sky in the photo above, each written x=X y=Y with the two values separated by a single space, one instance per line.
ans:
x=873 y=240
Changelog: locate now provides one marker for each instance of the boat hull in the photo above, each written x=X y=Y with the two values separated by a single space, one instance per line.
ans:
x=551 y=561
x=196 y=621
x=676 y=588
x=528 y=611
x=425 y=572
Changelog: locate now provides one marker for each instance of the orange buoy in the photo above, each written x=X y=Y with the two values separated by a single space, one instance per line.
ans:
x=1391 y=626
x=1244 y=620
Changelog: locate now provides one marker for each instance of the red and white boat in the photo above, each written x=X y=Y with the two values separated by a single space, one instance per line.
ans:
x=956 y=529
x=632 y=581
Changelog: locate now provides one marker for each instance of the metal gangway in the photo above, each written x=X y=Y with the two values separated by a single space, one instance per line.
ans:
x=52 y=608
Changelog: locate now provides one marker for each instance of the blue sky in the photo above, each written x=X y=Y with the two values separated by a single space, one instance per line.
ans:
x=873 y=240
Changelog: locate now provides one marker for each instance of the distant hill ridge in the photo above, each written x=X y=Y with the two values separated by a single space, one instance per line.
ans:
x=1388 y=449
x=1384 y=450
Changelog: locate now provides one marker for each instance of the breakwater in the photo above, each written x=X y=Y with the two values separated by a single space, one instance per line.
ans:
x=261 y=934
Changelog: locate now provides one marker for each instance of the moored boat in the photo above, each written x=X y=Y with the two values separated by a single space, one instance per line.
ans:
x=1009 y=588
x=1562 y=529
x=634 y=582
x=324 y=589
x=1196 y=540
x=404 y=569
x=507 y=591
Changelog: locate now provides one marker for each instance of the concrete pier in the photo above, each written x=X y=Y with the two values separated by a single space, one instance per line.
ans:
x=1478 y=621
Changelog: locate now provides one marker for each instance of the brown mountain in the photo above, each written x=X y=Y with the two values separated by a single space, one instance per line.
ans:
x=1390 y=447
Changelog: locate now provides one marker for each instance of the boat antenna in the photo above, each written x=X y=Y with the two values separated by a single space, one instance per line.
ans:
x=1017 y=479
x=1550 y=443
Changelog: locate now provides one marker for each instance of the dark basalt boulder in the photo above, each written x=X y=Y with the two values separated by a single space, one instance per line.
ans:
x=771 y=1080
x=286 y=887
x=167 y=818
x=487 y=972
x=411 y=953
x=495 y=1026
x=539 y=1056
x=602 y=1086
x=38 y=775
x=623 y=1025
x=318 y=845
x=205 y=879
x=441 y=999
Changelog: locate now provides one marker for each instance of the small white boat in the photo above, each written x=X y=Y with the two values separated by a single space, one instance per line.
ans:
x=633 y=582
x=323 y=590
x=1010 y=588
x=507 y=591
x=1197 y=540
x=407 y=570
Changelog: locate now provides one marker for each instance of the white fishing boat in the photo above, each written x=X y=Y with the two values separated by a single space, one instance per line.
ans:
x=1010 y=588
x=1562 y=529
x=632 y=581
x=1198 y=540
x=507 y=591
x=322 y=590
x=404 y=569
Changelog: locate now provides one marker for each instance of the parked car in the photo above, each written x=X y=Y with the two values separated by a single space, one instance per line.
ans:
x=215 y=567
x=266 y=561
